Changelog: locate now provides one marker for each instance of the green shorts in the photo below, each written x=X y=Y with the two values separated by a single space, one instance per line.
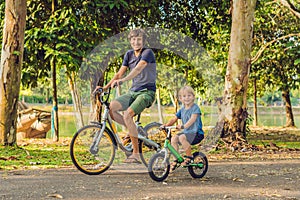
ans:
x=137 y=101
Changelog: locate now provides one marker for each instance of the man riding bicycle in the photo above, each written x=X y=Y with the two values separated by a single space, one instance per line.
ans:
x=142 y=65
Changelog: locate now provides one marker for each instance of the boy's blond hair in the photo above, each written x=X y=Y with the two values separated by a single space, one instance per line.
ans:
x=187 y=89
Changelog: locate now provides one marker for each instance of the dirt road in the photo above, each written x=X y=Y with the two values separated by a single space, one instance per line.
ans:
x=224 y=180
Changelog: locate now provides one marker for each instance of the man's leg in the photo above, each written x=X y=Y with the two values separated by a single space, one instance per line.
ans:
x=142 y=101
x=133 y=133
x=115 y=107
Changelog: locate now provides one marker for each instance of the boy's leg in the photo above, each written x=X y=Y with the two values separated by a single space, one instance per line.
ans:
x=185 y=145
x=174 y=142
x=188 y=149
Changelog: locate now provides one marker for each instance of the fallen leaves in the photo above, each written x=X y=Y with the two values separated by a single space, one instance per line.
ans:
x=9 y=158
x=238 y=180
x=58 y=196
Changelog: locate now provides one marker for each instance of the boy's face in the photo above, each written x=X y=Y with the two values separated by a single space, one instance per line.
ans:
x=187 y=98
x=136 y=43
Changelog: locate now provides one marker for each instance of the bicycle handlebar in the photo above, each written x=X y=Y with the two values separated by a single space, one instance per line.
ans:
x=166 y=128
x=116 y=85
x=100 y=94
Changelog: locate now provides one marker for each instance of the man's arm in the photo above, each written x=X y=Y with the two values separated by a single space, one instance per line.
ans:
x=117 y=76
x=117 y=80
x=138 y=69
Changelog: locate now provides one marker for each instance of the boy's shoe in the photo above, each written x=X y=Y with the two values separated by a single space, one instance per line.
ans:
x=173 y=166
x=186 y=161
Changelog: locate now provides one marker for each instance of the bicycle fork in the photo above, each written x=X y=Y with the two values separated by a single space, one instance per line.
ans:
x=168 y=147
x=96 y=140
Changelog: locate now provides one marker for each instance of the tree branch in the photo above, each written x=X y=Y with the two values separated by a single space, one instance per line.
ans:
x=291 y=7
x=261 y=50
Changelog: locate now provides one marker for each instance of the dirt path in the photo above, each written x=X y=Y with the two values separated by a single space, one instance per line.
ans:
x=224 y=180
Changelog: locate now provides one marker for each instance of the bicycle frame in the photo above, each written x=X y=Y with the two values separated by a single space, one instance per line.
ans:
x=107 y=119
x=169 y=148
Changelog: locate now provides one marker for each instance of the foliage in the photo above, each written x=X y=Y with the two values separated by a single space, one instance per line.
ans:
x=277 y=68
x=208 y=23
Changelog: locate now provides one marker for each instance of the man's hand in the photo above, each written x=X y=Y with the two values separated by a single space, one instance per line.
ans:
x=97 y=89
x=116 y=83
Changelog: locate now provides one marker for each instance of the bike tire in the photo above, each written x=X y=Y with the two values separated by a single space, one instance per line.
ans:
x=92 y=163
x=157 y=168
x=197 y=171
x=154 y=134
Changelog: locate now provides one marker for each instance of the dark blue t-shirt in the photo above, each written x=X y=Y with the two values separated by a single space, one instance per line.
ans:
x=147 y=78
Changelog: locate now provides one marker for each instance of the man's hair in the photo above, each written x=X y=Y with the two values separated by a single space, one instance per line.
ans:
x=136 y=33
x=187 y=89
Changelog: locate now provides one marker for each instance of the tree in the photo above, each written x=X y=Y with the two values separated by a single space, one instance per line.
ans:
x=68 y=37
x=292 y=6
x=275 y=47
x=234 y=111
x=10 y=68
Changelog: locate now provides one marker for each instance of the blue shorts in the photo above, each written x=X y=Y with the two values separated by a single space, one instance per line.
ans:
x=193 y=138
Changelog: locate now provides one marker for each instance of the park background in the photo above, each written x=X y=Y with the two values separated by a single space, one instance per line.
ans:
x=59 y=36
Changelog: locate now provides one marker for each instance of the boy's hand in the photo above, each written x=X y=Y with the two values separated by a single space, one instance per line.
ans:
x=162 y=127
x=179 y=126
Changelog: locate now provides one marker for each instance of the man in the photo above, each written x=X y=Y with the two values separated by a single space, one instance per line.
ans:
x=142 y=65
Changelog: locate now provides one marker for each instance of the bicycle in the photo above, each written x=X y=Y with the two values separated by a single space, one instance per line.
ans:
x=93 y=147
x=159 y=164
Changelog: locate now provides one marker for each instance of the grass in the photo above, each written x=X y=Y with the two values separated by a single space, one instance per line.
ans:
x=31 y=155
x=44 y=153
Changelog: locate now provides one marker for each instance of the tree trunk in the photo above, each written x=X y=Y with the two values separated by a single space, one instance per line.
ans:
x=161 y=120
x=76 y=100
x=54 y=120
x=172 y=99
x=10 y=68
x=288 y=109
x=254 y=103
x=54 y=115
x=236 y=80
x=96 y=107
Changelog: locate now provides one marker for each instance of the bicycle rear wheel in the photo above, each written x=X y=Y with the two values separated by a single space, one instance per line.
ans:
x=96 y=160
x=154 y=134
x=199 y=166
x=158 y=169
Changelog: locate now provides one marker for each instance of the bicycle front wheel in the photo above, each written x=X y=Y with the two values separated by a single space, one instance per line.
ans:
x=154 y=134
x=87 y=157
x=158 y=168
x=200 y=165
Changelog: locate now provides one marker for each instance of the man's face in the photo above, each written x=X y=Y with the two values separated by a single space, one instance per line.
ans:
x=136 y=43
